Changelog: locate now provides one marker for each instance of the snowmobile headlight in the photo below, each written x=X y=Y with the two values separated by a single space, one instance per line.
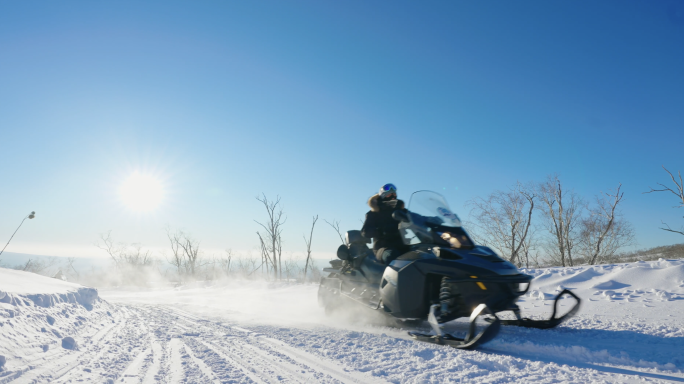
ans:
x=519 y=287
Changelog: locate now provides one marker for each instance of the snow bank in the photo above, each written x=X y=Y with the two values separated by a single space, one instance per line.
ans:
x=43 y=318
x=17 y=286
x=650 y=283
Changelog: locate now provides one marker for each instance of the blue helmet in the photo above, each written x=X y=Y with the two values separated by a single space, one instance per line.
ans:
x=388 y=191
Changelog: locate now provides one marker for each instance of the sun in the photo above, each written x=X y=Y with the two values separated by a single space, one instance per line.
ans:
x=141 y=193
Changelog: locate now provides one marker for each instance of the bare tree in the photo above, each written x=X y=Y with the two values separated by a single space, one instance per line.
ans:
x=70 y=266
x=308 y=246
x=336 y=226
x=123 y=254
x=291 y=267
x=135 y=256
x=273 y=242
x=562 y=212
x=225 y=262
x=503 y=221
x=604 y=232
x=177 y=259
x=265 y=256
x=40 y=266
x=247 y=265
x=132 y=263
x=677 y=191
x=530 y=250
x=113 y=250
x=191 y=250
x=185 y=252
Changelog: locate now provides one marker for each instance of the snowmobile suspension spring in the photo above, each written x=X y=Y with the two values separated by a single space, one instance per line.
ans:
x=445 y=296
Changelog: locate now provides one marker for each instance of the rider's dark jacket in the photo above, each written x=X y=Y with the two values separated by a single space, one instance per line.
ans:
x=380 y=226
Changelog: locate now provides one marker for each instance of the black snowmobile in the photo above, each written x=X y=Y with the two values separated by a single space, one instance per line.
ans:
x=443 y=277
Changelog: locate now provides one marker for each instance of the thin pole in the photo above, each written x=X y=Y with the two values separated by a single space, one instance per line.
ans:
x=15 y=231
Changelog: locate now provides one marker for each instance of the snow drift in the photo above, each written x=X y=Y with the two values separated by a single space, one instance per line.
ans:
x=17 y=286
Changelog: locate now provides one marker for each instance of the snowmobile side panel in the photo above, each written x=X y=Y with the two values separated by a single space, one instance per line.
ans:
x=403 y=292
x=477 y=285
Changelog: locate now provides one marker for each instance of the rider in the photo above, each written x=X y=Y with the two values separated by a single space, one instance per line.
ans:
x=380 y=225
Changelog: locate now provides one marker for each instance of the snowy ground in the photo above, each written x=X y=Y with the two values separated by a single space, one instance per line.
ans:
x=629 y=329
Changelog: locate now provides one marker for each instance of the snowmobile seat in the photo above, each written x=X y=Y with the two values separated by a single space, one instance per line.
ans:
x=355 y=237
x=372 y=268
x=363 y=258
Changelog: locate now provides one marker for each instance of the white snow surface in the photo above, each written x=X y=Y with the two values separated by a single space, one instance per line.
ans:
x=629 y=329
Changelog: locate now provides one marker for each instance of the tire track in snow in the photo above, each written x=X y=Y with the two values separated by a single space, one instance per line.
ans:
x=251 y=348
x=120 y=353
x=152 y=372
x=335 y=371
x=217 y=358
x=175 y=363
x=201 y=365
x=132 y=373
x=258 y=365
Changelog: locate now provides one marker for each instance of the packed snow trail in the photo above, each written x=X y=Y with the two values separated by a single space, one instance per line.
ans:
x=630 y=329
x=159 y=344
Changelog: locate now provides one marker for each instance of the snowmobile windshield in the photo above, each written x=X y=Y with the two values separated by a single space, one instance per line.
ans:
x=434 y=208
x=431 y=221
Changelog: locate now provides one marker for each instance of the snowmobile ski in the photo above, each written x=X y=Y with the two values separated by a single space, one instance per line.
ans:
x=551 y=322
x=472 y=338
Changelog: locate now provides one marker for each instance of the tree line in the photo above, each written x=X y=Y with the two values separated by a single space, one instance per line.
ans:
x=188 y=261
x=547 y=224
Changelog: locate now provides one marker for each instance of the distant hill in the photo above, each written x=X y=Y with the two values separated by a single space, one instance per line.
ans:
x=49 y=265
x=674 y=251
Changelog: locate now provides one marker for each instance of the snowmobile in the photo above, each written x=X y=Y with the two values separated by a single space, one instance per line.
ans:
x=444 y=276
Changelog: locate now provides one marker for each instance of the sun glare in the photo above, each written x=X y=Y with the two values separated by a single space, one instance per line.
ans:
x=141 y=192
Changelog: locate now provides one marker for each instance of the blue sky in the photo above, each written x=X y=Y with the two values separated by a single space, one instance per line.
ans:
x=323 y=102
